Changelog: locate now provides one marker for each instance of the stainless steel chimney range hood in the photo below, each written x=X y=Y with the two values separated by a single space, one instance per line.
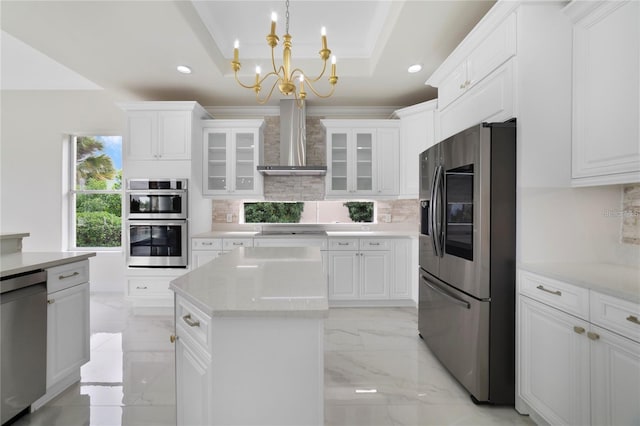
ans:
x=293 y=144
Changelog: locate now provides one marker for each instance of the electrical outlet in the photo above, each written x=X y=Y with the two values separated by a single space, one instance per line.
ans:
x=229 y=217
x=386 y=218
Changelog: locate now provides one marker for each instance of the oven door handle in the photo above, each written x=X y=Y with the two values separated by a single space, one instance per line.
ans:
x=446 y=294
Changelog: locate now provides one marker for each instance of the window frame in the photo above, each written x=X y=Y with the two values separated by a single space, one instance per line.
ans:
x=72 y=193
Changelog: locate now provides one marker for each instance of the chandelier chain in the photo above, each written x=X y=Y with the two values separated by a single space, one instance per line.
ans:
x=287 y=16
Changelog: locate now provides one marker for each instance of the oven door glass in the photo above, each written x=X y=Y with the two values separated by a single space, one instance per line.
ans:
x=149 y=205
x=157 y=244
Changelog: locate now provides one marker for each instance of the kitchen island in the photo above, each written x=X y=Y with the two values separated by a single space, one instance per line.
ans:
x=249 y=338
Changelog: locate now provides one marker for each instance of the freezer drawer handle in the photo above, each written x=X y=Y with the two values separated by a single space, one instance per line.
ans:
x=191 y=322
x=633 y=319
x=557 y=292
x=447 y=295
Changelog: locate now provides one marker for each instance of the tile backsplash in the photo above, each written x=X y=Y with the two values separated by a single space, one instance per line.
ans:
x=631 y=214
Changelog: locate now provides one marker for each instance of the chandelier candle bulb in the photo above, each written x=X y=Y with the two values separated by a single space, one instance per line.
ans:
x=236 y=46
x=323 y=33
x=274 y=19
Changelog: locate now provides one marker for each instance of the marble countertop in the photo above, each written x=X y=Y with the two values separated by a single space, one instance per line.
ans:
x=358 y=234
x=261 y=281
x=16 y=263
x=615 y=280
x=11 y=236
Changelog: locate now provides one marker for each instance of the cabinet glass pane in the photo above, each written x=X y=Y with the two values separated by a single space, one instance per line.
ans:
x=217 y=161
x=339 y=161
x=364 y=161
x=245 y=165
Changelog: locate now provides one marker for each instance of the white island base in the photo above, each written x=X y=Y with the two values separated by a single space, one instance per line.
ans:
x=249 y=348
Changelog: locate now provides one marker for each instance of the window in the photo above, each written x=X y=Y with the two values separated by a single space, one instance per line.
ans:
x=96 y=195
x=322 y=212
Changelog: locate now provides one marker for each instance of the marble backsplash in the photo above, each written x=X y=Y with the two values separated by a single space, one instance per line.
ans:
x=631 y=214
x=401 y=211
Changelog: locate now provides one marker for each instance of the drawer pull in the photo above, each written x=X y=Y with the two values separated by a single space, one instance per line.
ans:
x=557 y=292
x=633 y=319
x=51 y=301
x=374 y=244
x=191 y=322
x=593 y=336
x=141 y=287
x=207 y=244
x=238 y=244
x=343 y=244
x=62 y=277
x=578 y=330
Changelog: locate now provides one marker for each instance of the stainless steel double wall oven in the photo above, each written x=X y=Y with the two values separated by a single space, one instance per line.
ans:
x=157 y=223
x=466 y=305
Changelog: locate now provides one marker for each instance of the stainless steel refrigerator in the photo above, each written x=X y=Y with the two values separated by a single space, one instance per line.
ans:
x=466 y=305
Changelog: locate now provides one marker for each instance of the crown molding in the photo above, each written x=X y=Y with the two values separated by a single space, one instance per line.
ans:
x=374 y=112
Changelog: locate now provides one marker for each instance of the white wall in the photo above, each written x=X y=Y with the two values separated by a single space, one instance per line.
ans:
x=31 y=178
x=555 y=222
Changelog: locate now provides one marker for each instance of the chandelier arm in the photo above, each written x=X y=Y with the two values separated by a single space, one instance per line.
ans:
x=269 y=75
x=241 y=84
x=313 y=80
x=315 y=92
x=266 y=99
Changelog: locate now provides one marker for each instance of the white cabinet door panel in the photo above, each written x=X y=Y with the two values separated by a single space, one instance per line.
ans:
x=343 y=275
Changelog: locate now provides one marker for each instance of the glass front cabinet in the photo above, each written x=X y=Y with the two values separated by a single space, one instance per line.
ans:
x=362 y=161
x=232 y=151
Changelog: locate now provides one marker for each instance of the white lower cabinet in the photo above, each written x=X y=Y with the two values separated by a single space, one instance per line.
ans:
x=193 y=381
x=572 y=370
x=369 y=269
x=554 y=360
x=68 y=330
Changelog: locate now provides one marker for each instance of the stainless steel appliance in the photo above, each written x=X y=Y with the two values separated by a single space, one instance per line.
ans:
x=466 y=304
x=23 y=309
x=157 y=223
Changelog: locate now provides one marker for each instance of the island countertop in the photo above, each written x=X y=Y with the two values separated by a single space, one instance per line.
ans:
x=17 y=263
x=261 y=281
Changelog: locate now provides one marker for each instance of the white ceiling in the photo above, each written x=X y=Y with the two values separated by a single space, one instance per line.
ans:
x=131 y=48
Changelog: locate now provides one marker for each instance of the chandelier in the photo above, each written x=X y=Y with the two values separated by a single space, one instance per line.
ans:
x=285 y=77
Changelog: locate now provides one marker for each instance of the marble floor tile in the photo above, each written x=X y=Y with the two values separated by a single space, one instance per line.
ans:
x=378 y=372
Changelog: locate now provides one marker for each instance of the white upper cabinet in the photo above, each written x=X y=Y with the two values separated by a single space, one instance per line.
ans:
x=362 y=157
x=606 y=92
x=232 y=150
x=494 y=50
x=417 y=133
x=161 y=130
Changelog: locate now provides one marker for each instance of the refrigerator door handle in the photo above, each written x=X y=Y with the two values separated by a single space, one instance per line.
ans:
x=446 y=294
x=432 y=213
x=438 y=187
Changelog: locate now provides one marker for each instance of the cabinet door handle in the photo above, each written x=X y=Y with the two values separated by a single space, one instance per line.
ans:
x=173 y=338
x=462 y=86
x=63 y=277
x=633 y=319
x=592 y=335
x=557 y=292
x=191 y=322
x=51 y=301
x=578 y=330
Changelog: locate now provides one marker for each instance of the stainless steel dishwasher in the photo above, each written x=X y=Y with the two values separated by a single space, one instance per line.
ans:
x=23 y=341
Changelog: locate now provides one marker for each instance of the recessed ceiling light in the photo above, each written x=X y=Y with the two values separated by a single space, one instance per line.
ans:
x=183 y=69
x=414 y=68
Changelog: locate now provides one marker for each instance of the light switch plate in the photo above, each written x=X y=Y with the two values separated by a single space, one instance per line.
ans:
x=229 y=217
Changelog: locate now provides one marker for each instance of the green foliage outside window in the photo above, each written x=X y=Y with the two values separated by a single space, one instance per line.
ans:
x=98 y=216
x=360 y=211
x=273 y=212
